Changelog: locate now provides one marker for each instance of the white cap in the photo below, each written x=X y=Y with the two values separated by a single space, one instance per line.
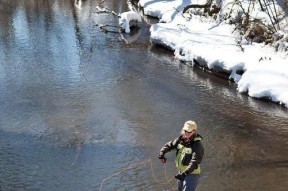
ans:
x=189 y=126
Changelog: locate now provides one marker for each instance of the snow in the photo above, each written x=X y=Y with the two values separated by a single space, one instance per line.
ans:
x=126 y=18
x=215 y=44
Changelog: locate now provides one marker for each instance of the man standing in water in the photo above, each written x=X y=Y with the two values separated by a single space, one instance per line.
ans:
x=189 y=154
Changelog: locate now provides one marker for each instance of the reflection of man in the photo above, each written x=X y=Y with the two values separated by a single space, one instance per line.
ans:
x=189 y=154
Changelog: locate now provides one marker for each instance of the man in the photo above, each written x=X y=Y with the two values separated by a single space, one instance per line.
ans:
x=189 y=154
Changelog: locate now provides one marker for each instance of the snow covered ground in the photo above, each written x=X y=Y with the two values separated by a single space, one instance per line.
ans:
x=214 y=43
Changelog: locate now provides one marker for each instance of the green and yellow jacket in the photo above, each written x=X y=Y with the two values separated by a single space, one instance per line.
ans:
x=189 y=154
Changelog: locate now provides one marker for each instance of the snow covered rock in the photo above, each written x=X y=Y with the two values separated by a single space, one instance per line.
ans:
x=126 y=19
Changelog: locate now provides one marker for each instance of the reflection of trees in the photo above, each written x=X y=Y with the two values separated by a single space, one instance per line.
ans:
x=68 y=107
x=44 y=64
x=6 y=9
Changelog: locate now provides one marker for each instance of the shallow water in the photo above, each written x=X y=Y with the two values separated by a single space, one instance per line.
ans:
x=86 y=110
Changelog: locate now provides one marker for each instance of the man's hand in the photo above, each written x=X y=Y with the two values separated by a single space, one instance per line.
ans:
x=162 y=158
x=180 y=176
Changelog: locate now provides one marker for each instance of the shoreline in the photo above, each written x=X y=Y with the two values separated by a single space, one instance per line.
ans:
x=231 y=57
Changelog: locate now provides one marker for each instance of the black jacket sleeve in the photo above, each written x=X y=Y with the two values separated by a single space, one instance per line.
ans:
x=171 y=145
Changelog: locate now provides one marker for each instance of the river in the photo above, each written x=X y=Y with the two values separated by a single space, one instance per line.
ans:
x=83 y=109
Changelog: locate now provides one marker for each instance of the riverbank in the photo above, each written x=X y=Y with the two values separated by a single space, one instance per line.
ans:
x=213 y=44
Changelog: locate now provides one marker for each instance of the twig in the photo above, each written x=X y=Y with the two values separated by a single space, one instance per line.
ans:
x=101 y=2
x=179 y=12
x=239 y=44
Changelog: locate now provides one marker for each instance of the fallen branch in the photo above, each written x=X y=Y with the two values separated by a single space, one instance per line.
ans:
x=105 y=10
x=104 y=28
x=205 y=6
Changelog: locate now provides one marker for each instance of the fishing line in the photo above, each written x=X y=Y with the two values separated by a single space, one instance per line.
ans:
x=136 y=165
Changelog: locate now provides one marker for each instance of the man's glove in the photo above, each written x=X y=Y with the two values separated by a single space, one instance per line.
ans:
x=180 y=176
x=162 y=158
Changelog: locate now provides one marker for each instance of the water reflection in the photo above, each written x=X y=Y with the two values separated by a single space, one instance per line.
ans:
x=78 y=105
x=132 y=36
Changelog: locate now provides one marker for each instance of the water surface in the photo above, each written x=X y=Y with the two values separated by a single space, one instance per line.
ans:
x=82 y=109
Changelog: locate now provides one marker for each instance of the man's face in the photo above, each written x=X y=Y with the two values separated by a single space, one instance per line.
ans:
x=189 y=135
